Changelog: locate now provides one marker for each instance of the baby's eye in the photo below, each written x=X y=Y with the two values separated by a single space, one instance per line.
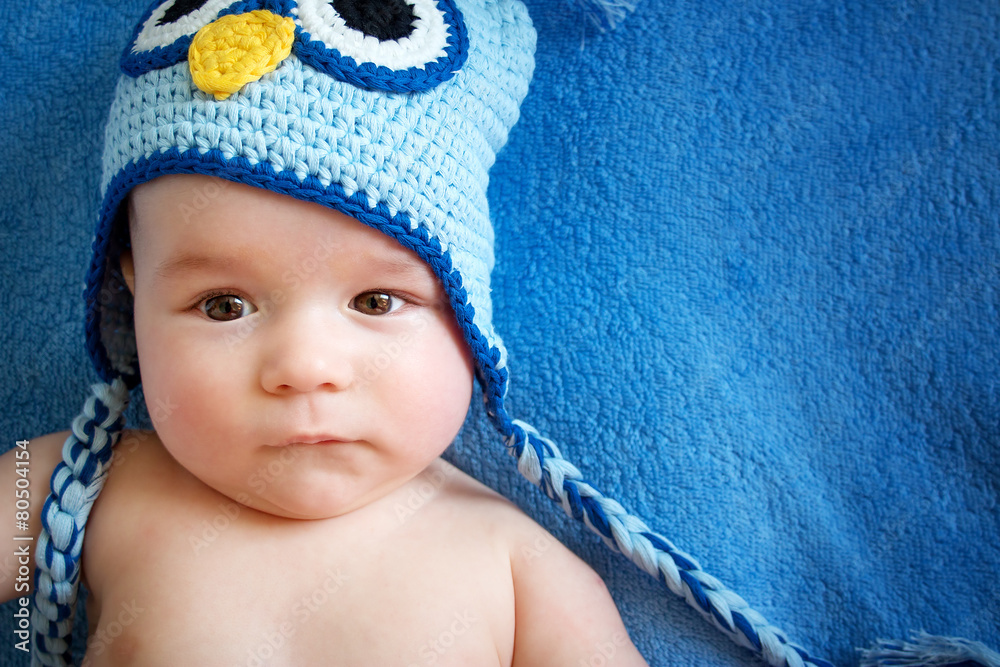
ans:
x=227 y=307
x=376 y=303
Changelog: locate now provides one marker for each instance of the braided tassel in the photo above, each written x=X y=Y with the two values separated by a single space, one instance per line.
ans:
x=539 y=460
x=76 y=483
x=924 y=650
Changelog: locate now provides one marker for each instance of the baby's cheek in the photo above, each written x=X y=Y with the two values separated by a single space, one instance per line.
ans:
x=157 y=371
x=174 y=400
x=445 y=401
x=169 y=408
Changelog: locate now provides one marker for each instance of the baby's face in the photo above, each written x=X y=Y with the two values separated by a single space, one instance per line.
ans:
x=292 y=358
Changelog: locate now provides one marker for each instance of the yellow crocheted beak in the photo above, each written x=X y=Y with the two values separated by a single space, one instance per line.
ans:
x=237 y=49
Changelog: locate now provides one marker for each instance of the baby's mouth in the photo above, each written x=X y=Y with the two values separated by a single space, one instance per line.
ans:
x=318 y=440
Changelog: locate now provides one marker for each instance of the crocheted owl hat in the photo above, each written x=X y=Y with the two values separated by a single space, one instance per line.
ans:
x=390 y=111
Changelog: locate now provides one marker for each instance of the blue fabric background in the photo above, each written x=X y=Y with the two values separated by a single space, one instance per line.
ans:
x=748 y=263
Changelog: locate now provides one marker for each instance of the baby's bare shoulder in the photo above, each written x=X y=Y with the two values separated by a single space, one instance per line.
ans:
x=563 y=611
x=24 y=475
x=460 y=502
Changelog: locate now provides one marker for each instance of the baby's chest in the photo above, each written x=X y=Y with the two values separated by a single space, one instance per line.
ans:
x=220 y=589
x=297 y=611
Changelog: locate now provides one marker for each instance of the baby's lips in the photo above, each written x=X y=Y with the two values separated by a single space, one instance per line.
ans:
x=312 y=439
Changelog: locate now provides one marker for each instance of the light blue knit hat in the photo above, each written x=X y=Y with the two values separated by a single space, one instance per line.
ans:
x=391 y=111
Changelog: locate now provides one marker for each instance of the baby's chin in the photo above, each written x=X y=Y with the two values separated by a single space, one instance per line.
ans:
x=309 y=504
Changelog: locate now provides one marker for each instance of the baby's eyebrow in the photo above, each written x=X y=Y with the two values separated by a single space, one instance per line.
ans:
x=395 y=266
x=388 y=266
x=197 y=261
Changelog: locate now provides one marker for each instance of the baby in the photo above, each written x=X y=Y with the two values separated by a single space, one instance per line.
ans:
x=294 y=251
x=196 y=552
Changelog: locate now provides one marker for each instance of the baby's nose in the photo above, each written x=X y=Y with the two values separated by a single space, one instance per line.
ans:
x=237 y=49
x=307 y=354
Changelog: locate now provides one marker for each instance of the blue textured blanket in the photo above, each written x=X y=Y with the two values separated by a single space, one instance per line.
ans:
x=748 y=273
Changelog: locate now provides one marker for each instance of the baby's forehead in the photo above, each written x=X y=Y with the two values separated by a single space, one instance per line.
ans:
x=194 y=211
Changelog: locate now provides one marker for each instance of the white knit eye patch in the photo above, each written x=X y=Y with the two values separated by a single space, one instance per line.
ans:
x=388 y=45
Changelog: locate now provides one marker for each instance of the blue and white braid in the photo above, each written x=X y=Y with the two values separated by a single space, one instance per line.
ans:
x=76 y=483
x=541 y=463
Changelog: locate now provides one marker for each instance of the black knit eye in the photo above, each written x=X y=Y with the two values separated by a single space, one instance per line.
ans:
x=385 y=21
x=165 y=32
x=394 y=45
